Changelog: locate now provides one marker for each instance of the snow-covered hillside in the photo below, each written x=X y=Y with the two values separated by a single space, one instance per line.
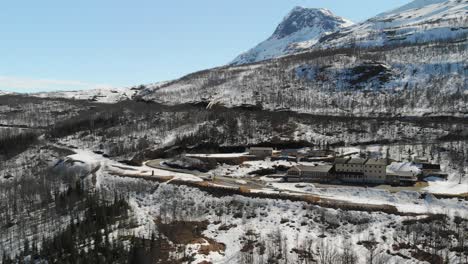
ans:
x=101 y=95
x=5 y=93
x=96 y=95
x=417 y=80
x=410 y=61
x=412 y=5
x=301 y=24
x=417 y=22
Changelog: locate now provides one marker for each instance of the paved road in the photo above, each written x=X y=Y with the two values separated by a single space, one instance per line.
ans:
x=157 y=165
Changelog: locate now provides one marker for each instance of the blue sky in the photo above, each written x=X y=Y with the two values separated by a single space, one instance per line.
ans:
x=68 y=45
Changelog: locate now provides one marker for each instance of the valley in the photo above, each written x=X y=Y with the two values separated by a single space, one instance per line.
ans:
x=108 y=153
x=331 y=142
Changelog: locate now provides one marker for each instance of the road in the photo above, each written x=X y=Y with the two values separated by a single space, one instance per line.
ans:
x=157 y=165
x=218 y=179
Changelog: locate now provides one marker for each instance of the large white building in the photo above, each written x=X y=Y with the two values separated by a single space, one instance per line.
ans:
x=375 y=170
x=358 y=170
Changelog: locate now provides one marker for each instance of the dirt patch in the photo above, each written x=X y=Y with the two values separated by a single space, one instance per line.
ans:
x=188 y=233
x=212 y=246
x=182 y=232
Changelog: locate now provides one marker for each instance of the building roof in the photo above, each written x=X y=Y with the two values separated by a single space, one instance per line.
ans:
x=382 y=162
x=357 y=161
x=341 y=160
x=319 y=168
x=403 y=166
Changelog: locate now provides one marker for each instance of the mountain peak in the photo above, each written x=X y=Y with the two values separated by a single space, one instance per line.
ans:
x=299 y=25
x=300 y=18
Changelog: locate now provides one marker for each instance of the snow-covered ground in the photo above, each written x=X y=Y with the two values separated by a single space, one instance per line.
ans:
x=405 y=201
x=447 y=187
x=243 y=170
x=101 y=95
x=105 y=95
x=235 y=219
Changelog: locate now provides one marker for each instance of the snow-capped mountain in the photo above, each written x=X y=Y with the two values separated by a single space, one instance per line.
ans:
x=398 y=78
x=412 y=5
x=301 y=24
x=417 y=22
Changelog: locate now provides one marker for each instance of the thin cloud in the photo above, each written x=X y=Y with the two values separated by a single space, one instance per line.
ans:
x=31 y=85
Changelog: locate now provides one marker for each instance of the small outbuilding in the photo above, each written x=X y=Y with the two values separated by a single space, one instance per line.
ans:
x=260 y=152
x=321 y=173
x=402 y=173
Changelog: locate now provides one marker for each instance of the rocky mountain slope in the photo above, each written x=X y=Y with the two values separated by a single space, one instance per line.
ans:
x=301 y=24
x=420 y=21
x=410 y=61
x=414 y=76
x=405 y=80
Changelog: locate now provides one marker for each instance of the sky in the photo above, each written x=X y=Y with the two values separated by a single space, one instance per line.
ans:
x=52 y=45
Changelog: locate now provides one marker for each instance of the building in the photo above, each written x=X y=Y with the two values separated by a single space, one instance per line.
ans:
x=290 y=155
x=358 y=170
x=364 y=171
x=375 y=170
x=320 y=153
x=432 y=170
x=321 y=173
x=429 y=169
x=403 y=173
x=346 y=165
x=340 y=164
x=407 y=178
x=261 y=153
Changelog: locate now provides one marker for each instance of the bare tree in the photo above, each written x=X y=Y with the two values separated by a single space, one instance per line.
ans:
x=348 y=256
x=327 y=254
